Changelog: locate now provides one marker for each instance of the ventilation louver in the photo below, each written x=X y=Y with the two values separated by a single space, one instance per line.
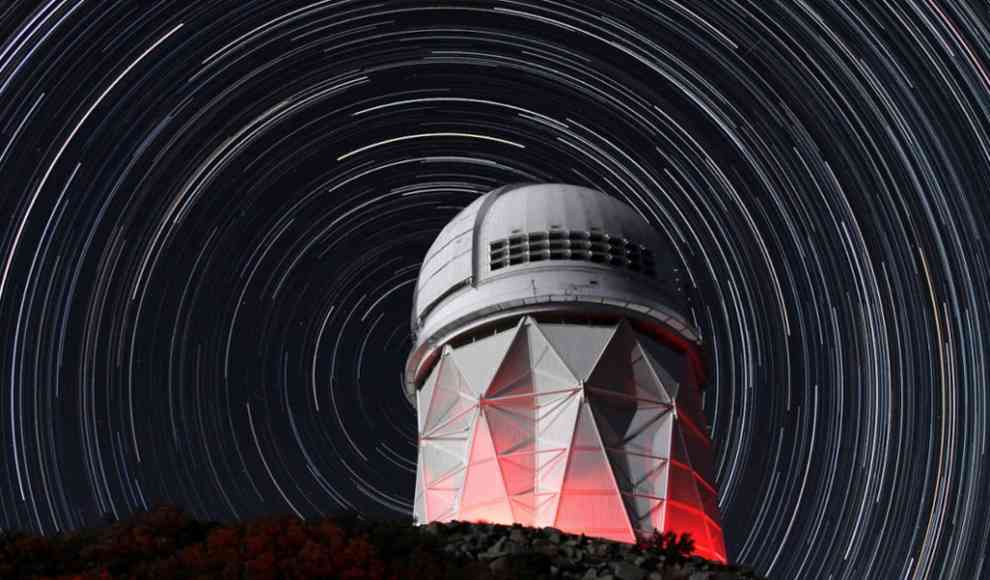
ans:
x=571 y=245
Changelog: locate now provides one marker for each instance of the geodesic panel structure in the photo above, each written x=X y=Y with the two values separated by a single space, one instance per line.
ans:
x=593 y=429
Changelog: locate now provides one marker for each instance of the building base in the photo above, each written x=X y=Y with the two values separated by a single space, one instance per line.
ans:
x=593 y=429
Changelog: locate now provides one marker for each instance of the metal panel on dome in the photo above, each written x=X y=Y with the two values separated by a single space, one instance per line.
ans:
x=580 y=350
x=448 y=261
x=543 y=207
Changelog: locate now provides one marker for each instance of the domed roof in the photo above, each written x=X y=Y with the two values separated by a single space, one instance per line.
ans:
x=547 y=247
x=519 y=226
x=543 y=207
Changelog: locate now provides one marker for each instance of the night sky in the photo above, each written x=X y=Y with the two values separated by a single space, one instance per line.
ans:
x=212 y=216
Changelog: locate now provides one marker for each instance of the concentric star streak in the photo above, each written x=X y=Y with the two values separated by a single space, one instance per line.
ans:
x=212 y=214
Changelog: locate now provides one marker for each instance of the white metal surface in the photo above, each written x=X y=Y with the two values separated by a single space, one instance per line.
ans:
x=458 y=287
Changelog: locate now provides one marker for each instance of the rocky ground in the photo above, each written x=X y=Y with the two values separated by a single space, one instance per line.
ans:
x=166 y=543
x=519 y=552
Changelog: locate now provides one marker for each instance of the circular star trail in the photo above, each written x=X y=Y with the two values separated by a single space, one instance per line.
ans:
x=213 y=213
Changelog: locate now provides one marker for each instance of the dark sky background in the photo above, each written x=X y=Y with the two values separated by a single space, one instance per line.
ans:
x=212 y=215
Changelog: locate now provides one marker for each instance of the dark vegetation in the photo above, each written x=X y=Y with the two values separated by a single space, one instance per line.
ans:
x=165 y=542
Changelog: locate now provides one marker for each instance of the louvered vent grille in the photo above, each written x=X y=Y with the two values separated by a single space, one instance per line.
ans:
x=571 y=245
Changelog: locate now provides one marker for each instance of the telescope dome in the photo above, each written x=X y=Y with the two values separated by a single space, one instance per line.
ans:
x=539 y=246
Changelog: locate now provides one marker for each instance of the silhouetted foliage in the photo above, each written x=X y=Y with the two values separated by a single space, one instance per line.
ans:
x=669 y=544
x=166 y=543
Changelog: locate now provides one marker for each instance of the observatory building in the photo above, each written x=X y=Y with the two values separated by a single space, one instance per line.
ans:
x=555 y=375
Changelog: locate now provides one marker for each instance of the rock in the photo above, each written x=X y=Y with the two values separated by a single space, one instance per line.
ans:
x=500 y=564
x=432 y=528
x=601 y=549
x=498 y=548
x=546 y=547
x=553 y=555
x=514 y=548
x=628 y=571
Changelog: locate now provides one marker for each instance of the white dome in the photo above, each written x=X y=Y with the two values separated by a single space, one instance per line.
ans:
x=543 y=207
x=543 y=246
x=461 y=254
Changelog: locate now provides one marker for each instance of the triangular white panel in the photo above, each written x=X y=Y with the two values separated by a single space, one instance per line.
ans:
x=682 y=486
x=550 y=467
x=644 y=510
x=613 y=415
x=545 y=360
x=512 y=376
x=668 y=363
x=555 y=427
x=419 y=497
x=648 y=383
x=424 y=396
x=479 y=360
x=555 y=416
x=555 y=432
x=440 y=458
x=649 y=431
x=613 y=371
x=545 y=506
x=441 y=503
x=449 y=399
x=668 y=385
x=590 y=498
x=585 y=433
x=548 y=383
x=640 y=474
x=522 y=508
x=650 y=476
x=456 y=427
x=578 y=346
x=484 y=497
x=698 y=447
x=453 y=481
x=512 y=424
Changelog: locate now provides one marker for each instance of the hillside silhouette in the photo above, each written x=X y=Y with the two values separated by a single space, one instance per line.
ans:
x=166 y=542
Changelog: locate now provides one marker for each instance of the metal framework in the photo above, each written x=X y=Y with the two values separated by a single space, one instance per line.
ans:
x=593 y=429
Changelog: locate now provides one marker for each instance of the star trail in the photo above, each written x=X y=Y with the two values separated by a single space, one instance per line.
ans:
x=212 y=215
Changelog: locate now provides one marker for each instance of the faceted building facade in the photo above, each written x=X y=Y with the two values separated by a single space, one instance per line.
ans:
x=574 y=410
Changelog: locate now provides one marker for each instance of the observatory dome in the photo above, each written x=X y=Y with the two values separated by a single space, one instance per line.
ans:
x=555 y=374
x=537 y=245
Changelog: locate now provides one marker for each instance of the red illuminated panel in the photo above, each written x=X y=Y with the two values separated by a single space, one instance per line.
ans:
x=589 y=501
x=718 y=542
x=440 y=503
x=513 y=424
x=684 y=519
x=484 y=496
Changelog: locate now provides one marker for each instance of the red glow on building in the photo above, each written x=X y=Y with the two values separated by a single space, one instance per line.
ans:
x=593 y=430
